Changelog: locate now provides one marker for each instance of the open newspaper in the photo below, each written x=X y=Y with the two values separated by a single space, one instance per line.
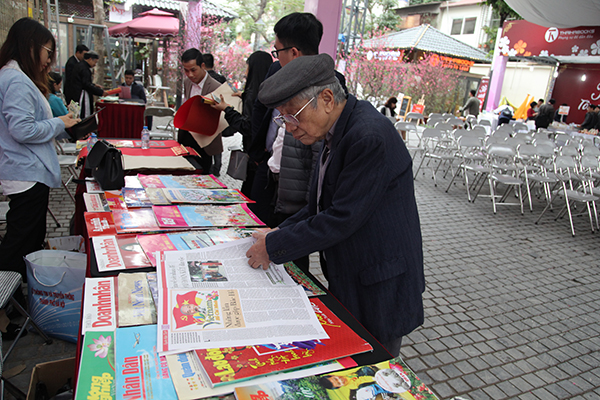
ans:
x=211 y=298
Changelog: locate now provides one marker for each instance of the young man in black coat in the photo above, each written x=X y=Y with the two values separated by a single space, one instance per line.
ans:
x=75 y=59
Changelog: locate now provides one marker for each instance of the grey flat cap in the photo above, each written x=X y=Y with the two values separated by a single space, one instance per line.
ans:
x=299 y=74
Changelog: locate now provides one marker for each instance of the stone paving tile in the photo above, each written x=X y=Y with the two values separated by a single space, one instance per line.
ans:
x=512 y=308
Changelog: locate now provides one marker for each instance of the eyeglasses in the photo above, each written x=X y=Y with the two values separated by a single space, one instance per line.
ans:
x=275 y=53
x=50 y=52
x=290 y=119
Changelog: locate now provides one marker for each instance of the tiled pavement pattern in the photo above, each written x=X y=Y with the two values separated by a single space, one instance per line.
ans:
x=512 y=308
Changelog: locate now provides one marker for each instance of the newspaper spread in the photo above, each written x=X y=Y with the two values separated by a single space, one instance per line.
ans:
x=211 y=298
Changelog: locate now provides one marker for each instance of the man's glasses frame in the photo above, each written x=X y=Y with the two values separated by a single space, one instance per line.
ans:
x=275 y=53
x=290 y=119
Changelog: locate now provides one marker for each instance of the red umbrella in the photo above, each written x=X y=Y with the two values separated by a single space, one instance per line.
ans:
x=154 y=23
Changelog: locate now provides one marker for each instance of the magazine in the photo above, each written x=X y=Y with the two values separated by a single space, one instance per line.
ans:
x=91 y=186
x=205 y=196
x=99 y=224
x=157 y=197
x=135 y=220
x=311 y=288
x=114 y=253
x=135 y=198
x=191 y=383
x=115 y=200
x=211 y=298
x=96 y=377
x=386 y=380
x=95 y=202
x=99 y=299
x=235 y=364
x=181 y=181
x=141 y=372
x=136 y=306
x=205 y=216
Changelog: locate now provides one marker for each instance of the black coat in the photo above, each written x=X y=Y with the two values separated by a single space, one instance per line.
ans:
x=137 y=91
x=82 y=81
x=68 y=80
x=368 y=228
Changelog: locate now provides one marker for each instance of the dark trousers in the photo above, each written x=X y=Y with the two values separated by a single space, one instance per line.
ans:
x=25 y=227
x=186 y=139
x=393 y=346
x=263 y=192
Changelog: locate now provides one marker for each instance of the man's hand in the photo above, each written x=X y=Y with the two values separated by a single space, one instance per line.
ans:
x=257 y=254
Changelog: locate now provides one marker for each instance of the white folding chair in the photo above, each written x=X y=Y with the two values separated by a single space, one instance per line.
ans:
x=434 y=149
x=471 y=159
x=160 y=112
x=502 y=168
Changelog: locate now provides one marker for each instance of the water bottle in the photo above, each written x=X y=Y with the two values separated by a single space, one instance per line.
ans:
x=91 y=141
x=145 y=138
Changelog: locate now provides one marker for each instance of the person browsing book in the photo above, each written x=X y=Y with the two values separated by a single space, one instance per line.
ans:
x=28 y=161
x=361 y=215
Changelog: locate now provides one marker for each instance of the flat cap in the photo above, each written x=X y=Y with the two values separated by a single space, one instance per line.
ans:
x=299 y=74
x=91 y=54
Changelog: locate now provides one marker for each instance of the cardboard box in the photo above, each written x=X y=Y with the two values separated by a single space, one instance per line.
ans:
x=53 y=373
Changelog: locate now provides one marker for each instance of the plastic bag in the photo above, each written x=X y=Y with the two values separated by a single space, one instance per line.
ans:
x=54 y=281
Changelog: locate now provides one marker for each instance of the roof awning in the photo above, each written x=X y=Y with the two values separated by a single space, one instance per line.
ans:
x=558 y=13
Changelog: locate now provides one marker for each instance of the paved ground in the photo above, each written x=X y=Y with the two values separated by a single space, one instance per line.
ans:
x=512 y=308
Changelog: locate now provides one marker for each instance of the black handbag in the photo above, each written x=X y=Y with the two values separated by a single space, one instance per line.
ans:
x=105 y=162
x=238 y=165
x=84 y=127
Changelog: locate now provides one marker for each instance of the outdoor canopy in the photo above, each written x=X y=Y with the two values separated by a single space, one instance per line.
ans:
x=154 y=23
x=558 y=13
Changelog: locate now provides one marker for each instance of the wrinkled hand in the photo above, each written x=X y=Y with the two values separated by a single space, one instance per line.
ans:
x=220 y=106
x=257 y=254
x=69 y=120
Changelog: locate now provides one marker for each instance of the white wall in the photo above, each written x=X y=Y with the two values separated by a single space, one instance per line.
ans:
x=520 y=79
x=482 y=13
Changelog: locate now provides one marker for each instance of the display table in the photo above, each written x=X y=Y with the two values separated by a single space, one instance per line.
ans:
x=120 y=120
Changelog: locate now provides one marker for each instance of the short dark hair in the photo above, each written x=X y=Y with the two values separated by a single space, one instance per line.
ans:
x=540 y=100
x=192 y=54
x=473 y=92
x=53 y=77
x=532 y=104
x=128 y=72
x=300 y=30
x=23 y=44
x=209 y=60
x=551 y=101
x=81 y=48
x=91 y=54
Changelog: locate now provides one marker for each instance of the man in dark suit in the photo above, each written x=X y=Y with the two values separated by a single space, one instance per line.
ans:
x=296 y=35
x=84 y=88
x=209 y=65
x=80 y=51
x=362 y=214
x=137 y=90
x=198 y=82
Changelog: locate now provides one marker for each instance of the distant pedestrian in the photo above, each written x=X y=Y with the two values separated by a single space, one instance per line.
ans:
x=83 y=86
x=75 y=59
x=209 y=65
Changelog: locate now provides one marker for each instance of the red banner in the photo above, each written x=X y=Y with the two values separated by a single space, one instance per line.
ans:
x=522 y=38
x=482 y=91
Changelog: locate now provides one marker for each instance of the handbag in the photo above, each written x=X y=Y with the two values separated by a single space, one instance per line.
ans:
x=84 y=127
x=105 y=162
x=238 y=165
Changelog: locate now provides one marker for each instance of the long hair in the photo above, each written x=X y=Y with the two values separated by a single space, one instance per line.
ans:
x=258 y=66
x=24 y=44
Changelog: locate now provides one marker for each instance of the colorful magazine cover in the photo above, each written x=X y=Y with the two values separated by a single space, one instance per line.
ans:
x=115 y=200
x=300 y=277
x=152 y=243
x=386 y=380
x=205 y=216
x=136 y=306
x=136 y=198
x=141 y=372
x=96 y=378
x=191 y=383
x=205 y=196
x=134 y=221
x=99 y=224
x=181 y=181
x=157 y=197
x=114 y=253
x=235 y=364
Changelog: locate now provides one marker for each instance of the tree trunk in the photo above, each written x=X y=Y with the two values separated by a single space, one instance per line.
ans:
x=98 y=38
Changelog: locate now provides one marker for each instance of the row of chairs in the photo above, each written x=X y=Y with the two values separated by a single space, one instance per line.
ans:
x=523 y=164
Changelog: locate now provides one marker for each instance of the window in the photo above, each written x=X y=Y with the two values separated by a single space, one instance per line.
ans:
x=469 y=26
x=456 y=26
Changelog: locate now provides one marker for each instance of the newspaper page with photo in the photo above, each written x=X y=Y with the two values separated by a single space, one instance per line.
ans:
x=211 y=298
